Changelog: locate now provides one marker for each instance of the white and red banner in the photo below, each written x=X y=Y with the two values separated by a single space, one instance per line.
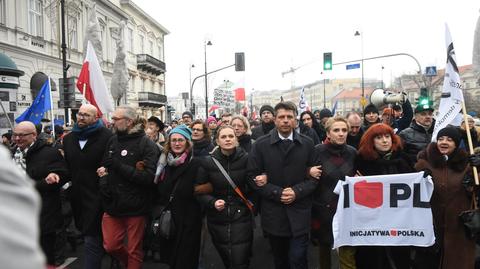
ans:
x=384 y=210
x=91 y=79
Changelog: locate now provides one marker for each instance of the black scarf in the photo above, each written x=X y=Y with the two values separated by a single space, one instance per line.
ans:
x=86 y=132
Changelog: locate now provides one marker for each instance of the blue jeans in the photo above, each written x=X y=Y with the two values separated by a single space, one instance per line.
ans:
x=93 y=252
x=289 y=252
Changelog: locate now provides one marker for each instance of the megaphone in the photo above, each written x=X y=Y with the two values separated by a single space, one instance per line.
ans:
x=381 y=97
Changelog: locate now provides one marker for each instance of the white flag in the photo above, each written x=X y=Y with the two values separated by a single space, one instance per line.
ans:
x=302 y=105
x=452 y=96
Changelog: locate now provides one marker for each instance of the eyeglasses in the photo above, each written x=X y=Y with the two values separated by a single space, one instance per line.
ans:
x=179 y=140
x=21 y=135
x=197 y=130
x=83 y=115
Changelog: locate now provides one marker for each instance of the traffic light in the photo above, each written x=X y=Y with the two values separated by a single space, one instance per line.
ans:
x=192 y=109
x=424 y=99
x=327 y=61
x=239 y=61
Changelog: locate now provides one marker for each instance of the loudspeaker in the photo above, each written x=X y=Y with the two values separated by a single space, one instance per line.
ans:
x=381 y=97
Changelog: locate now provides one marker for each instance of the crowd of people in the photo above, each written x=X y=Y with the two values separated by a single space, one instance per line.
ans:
x=284 y=169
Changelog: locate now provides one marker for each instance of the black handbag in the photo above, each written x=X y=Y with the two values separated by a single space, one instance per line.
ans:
x=163 y=226
x=471 y=219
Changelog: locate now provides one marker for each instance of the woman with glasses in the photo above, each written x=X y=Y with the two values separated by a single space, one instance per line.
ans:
x=201 y=138
x=175 y=175
x=242 y=132
x=228 y=216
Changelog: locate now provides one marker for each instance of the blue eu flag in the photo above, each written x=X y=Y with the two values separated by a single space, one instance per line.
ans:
x=40 y=105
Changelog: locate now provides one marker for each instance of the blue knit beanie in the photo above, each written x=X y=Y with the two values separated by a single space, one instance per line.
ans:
x=183 y=130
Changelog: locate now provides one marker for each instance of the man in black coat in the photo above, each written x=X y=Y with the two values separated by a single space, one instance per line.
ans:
x=126 y=183
x=47 y=168
x=267 y=117
x=285 y=156
x=83 y=150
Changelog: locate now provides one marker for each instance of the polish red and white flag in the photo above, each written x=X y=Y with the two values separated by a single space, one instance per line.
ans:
x=91 y=83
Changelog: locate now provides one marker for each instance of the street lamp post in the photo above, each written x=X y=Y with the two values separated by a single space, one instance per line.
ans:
x=357 y=33
x=324 y=95
x=209 y=43
x=191 y=97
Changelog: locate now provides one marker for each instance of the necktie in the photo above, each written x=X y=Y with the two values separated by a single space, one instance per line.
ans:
x=285 y=144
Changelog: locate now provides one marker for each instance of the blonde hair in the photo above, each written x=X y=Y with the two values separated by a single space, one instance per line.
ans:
x=331 y=121
x=245 y=123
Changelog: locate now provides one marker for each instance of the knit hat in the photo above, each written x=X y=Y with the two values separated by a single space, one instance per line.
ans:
x=183 y=130
x=451 y=132
x=325 y=113
x=267 y=108
x=188 y=114
x=370 y=108
x=211 y=119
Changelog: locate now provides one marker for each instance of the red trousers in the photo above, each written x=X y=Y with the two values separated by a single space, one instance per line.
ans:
x=114 y=230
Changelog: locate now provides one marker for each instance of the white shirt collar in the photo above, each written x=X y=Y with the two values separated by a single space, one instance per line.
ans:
x=290 y=137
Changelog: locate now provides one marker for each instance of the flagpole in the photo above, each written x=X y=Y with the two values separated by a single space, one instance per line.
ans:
x=51 y=108
x=84 y=92
x=469 y=138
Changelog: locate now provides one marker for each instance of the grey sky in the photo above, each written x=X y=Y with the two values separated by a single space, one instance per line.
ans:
x=277 y=35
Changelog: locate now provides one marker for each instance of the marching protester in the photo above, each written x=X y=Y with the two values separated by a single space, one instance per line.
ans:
x=212 y=126
x=83 y=151
x=451 y=175
x=473 y=133
x=324 y=115
x=187 y=118
x=46 y=166
x=370 y=116
x=419 y=134
x=201 y=138
x=267 y=122
x=355 y=132
x=156 y=126
x=309 y=120
x=226 y=118
x=380 y=153
x=286 y=199
x=126 y=180
x=175 y=176
x=337 y=160
x=242 y=132
x=229 y=215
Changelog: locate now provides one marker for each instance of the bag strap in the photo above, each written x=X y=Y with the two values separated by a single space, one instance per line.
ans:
x=234 y=186
x=173 y=192
x=474 y=200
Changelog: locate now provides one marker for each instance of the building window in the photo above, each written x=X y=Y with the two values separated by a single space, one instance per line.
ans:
x=141 y=39
x=150 y=43
x=35 y=17
x=2 y=12
x=72 y=33
x=130 y=39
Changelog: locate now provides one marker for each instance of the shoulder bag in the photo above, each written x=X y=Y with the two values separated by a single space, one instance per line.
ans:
x=471 y=218
x=163 y=226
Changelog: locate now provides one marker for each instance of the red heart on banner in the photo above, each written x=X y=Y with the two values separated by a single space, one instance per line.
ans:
x=368 y=194
x=393 y=233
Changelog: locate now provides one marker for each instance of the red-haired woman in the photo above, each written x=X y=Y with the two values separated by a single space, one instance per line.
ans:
x=380 y=153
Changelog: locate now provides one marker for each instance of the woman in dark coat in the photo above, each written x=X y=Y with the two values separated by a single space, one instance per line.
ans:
x=242 y=132
x=228 y=217
x=449 y=169
x=201 y=138
x=309 y=120
x=337 y=160
x=177 y=167
x=380 y=153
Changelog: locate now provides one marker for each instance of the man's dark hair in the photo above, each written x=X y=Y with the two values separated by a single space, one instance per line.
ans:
x=287 y=106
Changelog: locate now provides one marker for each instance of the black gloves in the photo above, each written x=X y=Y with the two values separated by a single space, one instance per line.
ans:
x=427 y=172
x=474 y=159
x=467 y=181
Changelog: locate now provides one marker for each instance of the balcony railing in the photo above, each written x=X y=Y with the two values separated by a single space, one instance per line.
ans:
x=150 y=64
x=151 y=99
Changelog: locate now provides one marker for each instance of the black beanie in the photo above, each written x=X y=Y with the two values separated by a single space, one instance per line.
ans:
x=451 y=132
x=267 y=108
x=325 y=113
x=370 y=108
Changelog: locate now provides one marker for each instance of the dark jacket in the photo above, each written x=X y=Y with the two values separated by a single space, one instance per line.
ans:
x=354 y=141
x=337 y=161
x=464 y=141
x=283 y=169
x=309 y=132
x=376 y=257
x=83 y=165
x=448 y=200
x=42 y=160
x=406 y=119
x=245 y=142
x=184 y=248
x=262 y=130
x=415 y=138
x=231 y=228
x=202 y=148
x=131 y=161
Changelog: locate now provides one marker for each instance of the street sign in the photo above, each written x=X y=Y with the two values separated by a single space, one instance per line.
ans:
x=352 y=66
x=431 y=71
x=363 y=101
